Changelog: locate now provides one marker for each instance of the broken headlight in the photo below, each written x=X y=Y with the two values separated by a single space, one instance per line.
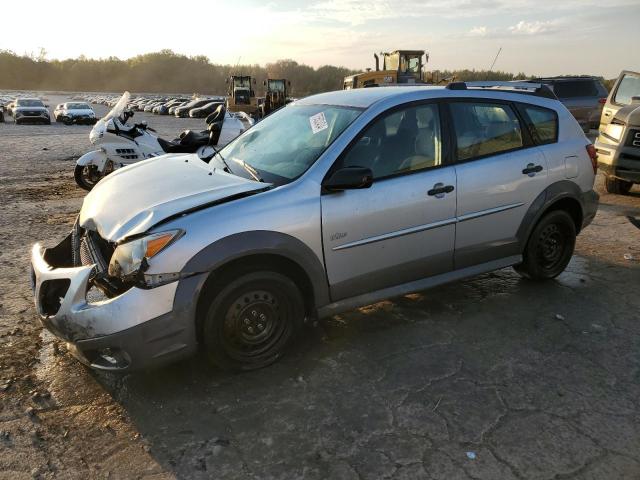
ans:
x=129 y=256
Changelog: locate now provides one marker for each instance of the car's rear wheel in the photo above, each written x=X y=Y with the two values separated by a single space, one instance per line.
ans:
x=617 y=186
x=549 y=248
x=252 y=320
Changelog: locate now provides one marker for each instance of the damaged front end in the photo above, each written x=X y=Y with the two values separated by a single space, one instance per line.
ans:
x=106 y=320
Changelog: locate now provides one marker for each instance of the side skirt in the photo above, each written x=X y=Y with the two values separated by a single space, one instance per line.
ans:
x=415 y=286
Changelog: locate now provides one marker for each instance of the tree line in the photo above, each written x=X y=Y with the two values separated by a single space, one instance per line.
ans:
x=167 y=71
x=163 y=71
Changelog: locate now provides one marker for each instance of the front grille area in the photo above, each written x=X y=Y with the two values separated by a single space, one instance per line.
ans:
x=88 y=248
x=633 y=138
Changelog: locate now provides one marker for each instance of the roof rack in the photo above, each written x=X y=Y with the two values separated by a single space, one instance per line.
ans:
x=525 y=87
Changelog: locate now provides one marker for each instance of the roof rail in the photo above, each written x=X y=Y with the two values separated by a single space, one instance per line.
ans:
x=523 y=86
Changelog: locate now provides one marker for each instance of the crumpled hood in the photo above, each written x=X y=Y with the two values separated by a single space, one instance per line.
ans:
x=133 y=199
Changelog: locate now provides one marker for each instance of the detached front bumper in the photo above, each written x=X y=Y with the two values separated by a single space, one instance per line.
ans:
x=134 y=330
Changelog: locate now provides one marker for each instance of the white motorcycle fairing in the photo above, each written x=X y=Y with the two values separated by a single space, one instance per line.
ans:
x=95 y=157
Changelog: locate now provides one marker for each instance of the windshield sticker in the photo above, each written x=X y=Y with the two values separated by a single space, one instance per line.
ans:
x=318 y=122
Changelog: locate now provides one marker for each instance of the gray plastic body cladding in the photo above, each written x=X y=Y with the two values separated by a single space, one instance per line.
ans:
x=557 y=191
x=259 y=242
x=156 y=342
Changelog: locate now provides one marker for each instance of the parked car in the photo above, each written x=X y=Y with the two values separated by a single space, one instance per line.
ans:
x=172 y=109
x=164 y=108
x=75 y=112
x=618 y=143
x=1 y=113
x=30 y=110
x=338 y=200
x=205 y=110
x=583 y=96
x=183 y=111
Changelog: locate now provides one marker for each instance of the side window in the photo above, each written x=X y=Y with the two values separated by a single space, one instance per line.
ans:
x=543 y=123
x=484 y=129
x=403 y=141
x=629 y=87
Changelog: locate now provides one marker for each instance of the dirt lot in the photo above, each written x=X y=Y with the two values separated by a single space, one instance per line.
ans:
x=492 y=378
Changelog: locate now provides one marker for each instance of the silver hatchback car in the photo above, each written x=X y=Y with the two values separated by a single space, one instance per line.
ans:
x=336 y=201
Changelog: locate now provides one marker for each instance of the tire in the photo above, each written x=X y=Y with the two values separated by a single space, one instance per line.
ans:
x=47 y=122
x=252 y=320
x=15 y=121
x=549 y=247
x=617 y=186
x=87 y=176
x=67 y=120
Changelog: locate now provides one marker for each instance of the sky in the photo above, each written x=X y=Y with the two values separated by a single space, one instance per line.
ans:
x=542 y=37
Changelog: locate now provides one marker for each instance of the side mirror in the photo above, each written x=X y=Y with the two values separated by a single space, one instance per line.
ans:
x=635 y=100
x=264 y=83
x=289 y=82
x=349 y=178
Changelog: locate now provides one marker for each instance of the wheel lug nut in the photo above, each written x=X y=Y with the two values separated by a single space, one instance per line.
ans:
x=254 y=313
x=250 y=329
x=260 y=326
x=263 y=317
x=246 y=321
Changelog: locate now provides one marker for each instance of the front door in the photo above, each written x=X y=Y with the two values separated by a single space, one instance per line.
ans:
x=626 y=87
x=402 y=228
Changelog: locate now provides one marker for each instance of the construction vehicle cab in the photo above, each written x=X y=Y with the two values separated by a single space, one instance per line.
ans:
x=398 y=67
x=240 y=96
x=276 y=95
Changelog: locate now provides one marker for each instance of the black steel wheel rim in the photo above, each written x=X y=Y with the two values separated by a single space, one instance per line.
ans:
x=256 y=325
x=552 y=245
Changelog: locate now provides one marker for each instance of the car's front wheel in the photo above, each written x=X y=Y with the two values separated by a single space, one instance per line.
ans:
x=549 y=248
x=617 y=186
x=252 y=320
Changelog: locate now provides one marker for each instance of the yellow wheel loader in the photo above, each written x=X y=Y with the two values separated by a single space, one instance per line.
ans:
x=398 y=67
x=240 y=95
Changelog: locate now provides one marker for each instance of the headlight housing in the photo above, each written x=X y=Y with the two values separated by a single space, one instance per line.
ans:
x=129 y=257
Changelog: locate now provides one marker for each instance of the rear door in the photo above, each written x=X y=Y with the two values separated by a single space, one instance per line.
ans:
x=499 y=172
x=402 y=228
x=626 y=87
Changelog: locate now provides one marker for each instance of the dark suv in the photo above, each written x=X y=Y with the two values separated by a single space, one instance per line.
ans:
x=583 y=96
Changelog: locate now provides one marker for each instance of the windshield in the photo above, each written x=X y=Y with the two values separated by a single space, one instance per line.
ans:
x=242 y=82
x=116 y=112
x=78 y=106
x=276 y=85
x=27 y=102
x=285 y=144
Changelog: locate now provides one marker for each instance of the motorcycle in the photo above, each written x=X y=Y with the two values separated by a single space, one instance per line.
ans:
x=120 y=144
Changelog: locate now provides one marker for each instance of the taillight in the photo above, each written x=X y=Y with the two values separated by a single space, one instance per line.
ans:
x=593 y=155
x=602 y=101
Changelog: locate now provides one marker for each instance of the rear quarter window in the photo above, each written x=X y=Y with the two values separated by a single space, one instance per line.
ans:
x=543 y=123
x=575 y=89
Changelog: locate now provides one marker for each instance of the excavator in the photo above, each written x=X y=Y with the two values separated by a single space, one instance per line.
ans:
x=240 y=95
x=276 y=95
x=398 y=67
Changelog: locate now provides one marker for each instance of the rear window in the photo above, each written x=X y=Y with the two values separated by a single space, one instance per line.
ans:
x=577 y=88
x=485 y=129
x=629 y=87
x=543 y=123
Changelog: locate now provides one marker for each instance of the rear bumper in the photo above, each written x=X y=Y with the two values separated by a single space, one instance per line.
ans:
x=590 y=201
x=137 y=329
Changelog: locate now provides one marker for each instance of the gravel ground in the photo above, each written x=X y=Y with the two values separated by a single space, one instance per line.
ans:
x=491 y=378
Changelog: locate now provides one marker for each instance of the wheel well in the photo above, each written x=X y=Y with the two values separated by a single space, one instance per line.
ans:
x=572 y=207
x=219 y=277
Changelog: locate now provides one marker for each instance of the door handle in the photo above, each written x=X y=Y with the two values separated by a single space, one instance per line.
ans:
x=532 y=169
x=439 y=190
